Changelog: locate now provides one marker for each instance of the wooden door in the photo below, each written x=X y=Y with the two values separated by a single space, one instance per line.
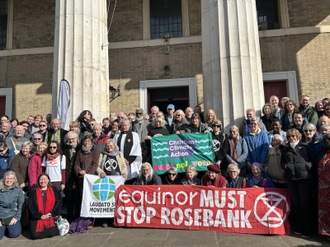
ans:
x=277 y=88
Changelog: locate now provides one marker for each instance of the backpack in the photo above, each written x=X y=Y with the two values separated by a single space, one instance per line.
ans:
x=79 y=226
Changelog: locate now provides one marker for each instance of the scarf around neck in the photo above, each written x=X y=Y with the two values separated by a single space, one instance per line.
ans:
x=50 y=202
x=52 y=156
x=86 y=150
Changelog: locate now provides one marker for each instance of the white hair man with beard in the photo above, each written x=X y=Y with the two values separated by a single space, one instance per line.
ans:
x=147 y=176
x=141 y=127
x=56 y=133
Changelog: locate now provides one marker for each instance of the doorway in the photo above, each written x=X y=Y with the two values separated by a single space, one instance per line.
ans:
x=277 y=88
x=162 y=97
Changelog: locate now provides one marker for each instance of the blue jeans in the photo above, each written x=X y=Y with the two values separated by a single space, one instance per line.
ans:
x=13 y=230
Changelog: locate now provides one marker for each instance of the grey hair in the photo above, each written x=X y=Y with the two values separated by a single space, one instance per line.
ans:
x=285 y=98
x=126 y=121
x=15 y=184
x=149 y=177
x=174 y=170
x=154 y=107
x=139 y=109
x=278 y=137
x=305 y=95
x=191 y=168
x=37 y=134
x=230 y=166
x=7 y=122
x=309 y=126
x=97 y=124
x=255 y=119
x=27 y=143
x=250 y=109
x=70 y=133
x=325 y=127
x=235 y=128
x=113 y=142
x=328 y=119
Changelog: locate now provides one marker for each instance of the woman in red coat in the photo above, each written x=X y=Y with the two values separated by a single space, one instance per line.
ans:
x=34 y=168
x=213 y=177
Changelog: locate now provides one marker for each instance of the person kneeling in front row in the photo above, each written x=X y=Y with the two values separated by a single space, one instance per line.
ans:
x=147 y=176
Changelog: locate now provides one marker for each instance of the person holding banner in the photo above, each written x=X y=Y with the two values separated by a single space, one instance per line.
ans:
x=111 y=161
x=147 y=176
x=258 y=178
x=234 y=180
x=196 y=126
x=220 y=146
x=172 y=177
x=180 y=122
x=210 y=117
x=44 y=203
x=213 y=177
x=191 y=176
x=297 y=161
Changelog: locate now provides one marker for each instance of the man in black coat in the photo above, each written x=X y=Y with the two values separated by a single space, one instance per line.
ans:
x=56 y=133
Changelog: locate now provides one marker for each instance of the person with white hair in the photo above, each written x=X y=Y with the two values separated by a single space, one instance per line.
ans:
x=147 y=176
x=234 y=180
x=273 y=165
x=129 y=144
x=172 y=177
x=308 y=110
x=99 y=137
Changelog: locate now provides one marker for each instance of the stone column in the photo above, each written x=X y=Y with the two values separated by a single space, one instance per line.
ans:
x=232 y=74
x=81 y=56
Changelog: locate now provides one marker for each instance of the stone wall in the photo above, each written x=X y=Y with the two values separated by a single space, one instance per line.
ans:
x=129 y=66
x=34 y=23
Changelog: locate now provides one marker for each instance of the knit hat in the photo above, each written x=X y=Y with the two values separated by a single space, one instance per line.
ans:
x=258 y=165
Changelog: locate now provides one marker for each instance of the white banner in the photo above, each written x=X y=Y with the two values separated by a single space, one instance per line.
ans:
x=63 y=102
x=99 y=200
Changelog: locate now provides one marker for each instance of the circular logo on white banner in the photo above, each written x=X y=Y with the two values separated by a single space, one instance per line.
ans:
x=272 y=217
x=216 y=145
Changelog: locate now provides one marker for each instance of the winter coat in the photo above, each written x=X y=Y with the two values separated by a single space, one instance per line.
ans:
x=310 y=113
x=19 y=165
x=297 y=162
x=120 y=159
x=196 y=181
x=34 y=170
x=166 y=181
x=221 y=147
x=316 y=143
x=201 y=129
x=5 y=162
x=13 y=141
x=99 y=143
x=267 y=122
x=242 y=129
x=273 y=166
x=266 y=182
x=219 y=181
x=241 y=150
x=11 y=202
x=258 y=146
x=71 y=182
x=155 y=180
x=87 y=162
x=180 y=126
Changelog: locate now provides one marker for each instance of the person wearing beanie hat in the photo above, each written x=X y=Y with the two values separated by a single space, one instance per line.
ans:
x=221 y=146
x=213 y=177
x=258 y=178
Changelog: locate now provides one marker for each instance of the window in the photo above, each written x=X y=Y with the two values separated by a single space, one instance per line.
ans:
x=3 y=23
x=165 y=16
x=267 y=12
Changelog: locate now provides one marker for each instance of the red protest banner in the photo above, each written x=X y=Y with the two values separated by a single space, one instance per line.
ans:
x=254 y=210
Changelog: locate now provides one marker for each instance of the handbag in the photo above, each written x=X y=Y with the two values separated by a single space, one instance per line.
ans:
x=63 y=225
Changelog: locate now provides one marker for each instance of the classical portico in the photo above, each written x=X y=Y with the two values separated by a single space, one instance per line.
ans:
x=81 y=56
x=232 y=74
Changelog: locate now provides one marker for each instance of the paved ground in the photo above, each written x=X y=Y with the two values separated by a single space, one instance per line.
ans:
x=136 y=237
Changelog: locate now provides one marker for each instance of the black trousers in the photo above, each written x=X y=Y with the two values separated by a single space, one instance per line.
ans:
x=301 y=196
x=73 y=204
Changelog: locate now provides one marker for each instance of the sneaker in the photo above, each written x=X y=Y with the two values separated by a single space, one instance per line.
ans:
x=89 y=227
x=104 y=225
x=297 y=232
x=305 y=235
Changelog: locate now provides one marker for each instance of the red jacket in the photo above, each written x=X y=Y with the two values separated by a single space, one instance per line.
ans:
x=220 y=181
x=34 y=170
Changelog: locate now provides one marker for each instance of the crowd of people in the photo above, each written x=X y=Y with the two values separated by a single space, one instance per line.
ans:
x=42 y=166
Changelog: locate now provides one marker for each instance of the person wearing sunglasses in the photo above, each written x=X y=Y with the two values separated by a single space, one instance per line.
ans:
x=34 y=127
x=36 y=140
x=180 y=122
x=89 y=130
x=172 y=177
x=313 y=138
x=257 y=142
x=6 y=157
x=42 y=130
x=54 y=164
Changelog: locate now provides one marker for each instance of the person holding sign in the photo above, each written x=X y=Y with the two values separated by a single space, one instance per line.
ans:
x=191 y=176
x=258 y=178
x=234 y=180
x=111 y=161
x=220 y=146
x=172 y=177
x=196 y=126
x=213 y=177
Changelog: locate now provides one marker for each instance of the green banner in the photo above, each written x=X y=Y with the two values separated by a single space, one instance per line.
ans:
x=182 y=150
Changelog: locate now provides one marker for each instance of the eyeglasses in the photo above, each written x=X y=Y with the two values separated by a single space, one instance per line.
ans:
x=92 y=124
x=71 y=139
x=233 y=171
x=9 y=178
x=38 y=139
x=138 y=113
x=178 y=115
x=308 y=130
x=120 y=117
x=253 y=123
x=172 y=174
x=232 y=131
x=52 y=147
x=289 y=136
x=2 y=150
x=217 y=126
x=42 y=125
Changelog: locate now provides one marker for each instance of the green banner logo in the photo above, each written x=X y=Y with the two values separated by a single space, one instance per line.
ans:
x=179 y=151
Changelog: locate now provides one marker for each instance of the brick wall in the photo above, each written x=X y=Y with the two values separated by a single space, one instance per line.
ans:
x=194 y=9
x=309 y=12
x=31 y=79
x=308 y=55
x=136 y=64
x=34 y=23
